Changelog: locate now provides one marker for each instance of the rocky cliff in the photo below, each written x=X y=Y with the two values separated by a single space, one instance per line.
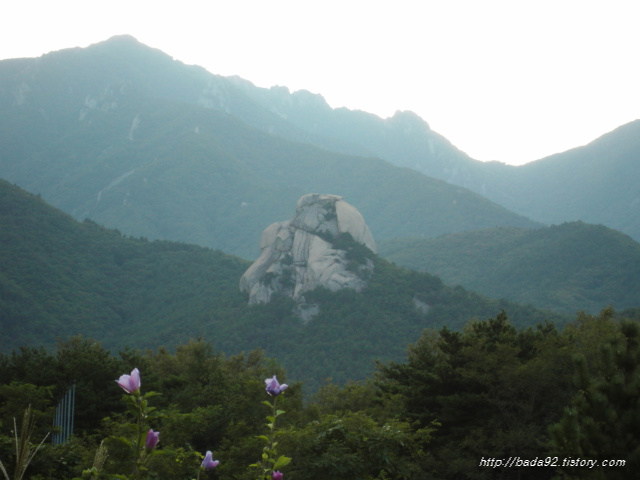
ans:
x=326 y=244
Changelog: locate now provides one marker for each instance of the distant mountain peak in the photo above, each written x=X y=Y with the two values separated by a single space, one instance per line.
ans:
x=409 y=119
x=122 y=39
x=408 y=116
x=126 y=45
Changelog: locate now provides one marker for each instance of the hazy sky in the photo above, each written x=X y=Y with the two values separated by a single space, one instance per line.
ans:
x=507 y=80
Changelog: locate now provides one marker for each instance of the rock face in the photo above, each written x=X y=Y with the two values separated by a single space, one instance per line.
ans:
x=321 y=246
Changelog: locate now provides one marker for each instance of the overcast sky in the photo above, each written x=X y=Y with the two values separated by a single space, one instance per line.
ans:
x=505 y=80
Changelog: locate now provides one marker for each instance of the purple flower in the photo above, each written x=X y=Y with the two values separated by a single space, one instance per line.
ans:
x=273 y=387
x=209 y=462
x=152 y=439
x=276 y=475
x=130 y=383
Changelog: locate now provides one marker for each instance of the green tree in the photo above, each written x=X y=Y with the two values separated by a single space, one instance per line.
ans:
x=354 y=446
x=492 y=389
x=94 y=370
x=603 y=420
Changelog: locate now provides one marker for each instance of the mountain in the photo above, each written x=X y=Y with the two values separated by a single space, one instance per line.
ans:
x=60 y=277
x=61 y=88
x=596 y=183
x=575 y=185
x=566 y=268
x=124 y=135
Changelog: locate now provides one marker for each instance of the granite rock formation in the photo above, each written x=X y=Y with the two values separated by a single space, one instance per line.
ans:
x=323 y=245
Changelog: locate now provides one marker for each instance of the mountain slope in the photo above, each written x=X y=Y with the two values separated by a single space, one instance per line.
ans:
x=60 y=277
x=124 y=135
x=569 y=267
x=594 y=183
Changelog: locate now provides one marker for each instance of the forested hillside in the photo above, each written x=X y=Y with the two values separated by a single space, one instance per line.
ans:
x=565 y=268
x=60 y=277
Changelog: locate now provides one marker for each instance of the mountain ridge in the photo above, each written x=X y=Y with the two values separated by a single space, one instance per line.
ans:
x=135 y=140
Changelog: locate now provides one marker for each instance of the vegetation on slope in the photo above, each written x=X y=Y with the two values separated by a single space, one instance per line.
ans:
x=62 y=278
x=565 y=268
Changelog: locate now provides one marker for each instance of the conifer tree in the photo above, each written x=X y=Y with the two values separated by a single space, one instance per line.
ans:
x=603 y=420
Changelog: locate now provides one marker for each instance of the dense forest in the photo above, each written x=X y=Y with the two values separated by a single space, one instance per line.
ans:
x=60 y=278
x=565 y=268
x=83 y=305
x=459 y=402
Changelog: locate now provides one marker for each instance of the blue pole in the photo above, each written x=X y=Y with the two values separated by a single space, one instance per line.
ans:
x=67 y=401
x=73 y=407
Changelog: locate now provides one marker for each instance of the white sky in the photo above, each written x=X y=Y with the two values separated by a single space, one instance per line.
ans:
x=507 y=80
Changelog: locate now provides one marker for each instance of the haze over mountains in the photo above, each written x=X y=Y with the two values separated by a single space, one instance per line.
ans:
x=120 y=117
x=125 y=135
x=117 y=132
x=470 y=346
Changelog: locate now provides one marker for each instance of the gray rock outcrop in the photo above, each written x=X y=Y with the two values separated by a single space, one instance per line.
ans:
x=321 y=246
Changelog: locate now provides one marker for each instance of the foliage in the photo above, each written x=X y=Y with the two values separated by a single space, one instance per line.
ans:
x=355 y=446
x=564 y=268
x=270 y=462
x=66 y=278
x=487 y=390
x=493 y=389
x=24 y=451
x=603 y=420
x=357 y=253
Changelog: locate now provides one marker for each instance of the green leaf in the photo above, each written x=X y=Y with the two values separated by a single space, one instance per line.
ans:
x=123 y=440
x=281 y=462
